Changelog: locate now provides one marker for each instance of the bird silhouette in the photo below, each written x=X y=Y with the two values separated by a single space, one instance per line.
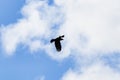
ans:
x=57 y=42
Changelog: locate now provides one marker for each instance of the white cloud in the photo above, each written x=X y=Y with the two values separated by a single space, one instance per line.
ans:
x=94 y=25
x=95 y=72
x=34 y=27
x=91 y=28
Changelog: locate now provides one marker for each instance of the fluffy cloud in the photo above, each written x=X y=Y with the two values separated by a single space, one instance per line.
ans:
x=34 y=28
x=95 y=72
x=94 y=25
x=91 y=29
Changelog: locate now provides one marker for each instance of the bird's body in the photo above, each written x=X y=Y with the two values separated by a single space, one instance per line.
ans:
x=58 y=45
x=57 y=42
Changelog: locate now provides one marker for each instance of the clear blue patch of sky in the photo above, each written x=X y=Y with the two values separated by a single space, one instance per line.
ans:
x=50 y=2
x=26 y=66
x=10 y=11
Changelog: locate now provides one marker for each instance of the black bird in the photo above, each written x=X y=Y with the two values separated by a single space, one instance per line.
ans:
x=57 y=42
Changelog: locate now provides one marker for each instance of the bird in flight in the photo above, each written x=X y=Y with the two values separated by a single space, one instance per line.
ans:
x=57 y=42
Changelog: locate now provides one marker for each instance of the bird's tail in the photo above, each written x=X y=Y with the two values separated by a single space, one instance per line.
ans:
x=52 y=40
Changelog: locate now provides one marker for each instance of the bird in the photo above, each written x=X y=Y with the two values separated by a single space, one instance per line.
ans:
x=57 y=42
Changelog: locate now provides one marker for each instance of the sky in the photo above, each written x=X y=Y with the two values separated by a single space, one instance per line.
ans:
x=90 y=49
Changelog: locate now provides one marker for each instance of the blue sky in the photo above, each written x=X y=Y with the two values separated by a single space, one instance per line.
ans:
x=10 y=11
x=24 y=66
x=90 y=47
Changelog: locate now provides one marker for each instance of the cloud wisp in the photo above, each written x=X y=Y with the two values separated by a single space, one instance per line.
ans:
x=91 y=29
